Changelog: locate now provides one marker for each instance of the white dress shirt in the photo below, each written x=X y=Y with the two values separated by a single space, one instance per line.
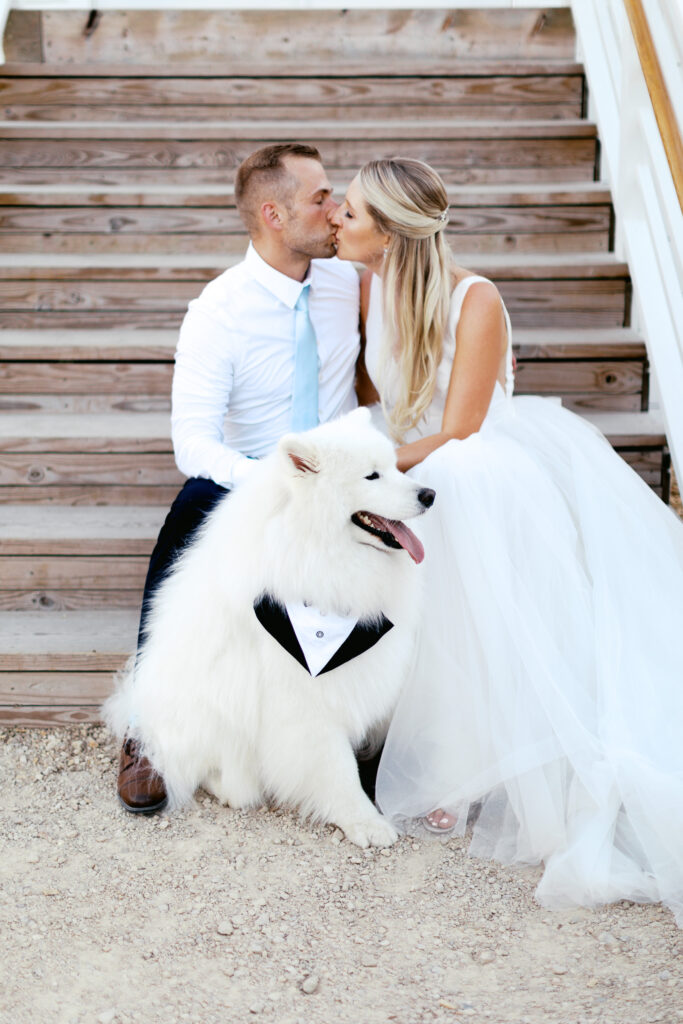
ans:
x=234 y=364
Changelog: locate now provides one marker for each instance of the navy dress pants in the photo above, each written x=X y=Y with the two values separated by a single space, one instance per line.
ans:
x=189 y=510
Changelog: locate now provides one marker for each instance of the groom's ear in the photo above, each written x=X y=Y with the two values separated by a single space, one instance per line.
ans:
x=271 y=215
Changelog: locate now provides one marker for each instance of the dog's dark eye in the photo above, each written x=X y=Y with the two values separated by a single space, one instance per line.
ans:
x=373 y=476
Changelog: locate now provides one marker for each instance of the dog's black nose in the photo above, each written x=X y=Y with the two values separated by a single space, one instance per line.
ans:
x=426 y=497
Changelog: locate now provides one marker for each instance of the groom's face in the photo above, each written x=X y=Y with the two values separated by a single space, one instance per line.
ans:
x=307 y=230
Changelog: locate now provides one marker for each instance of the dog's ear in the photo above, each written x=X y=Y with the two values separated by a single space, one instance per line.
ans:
x=300 y=453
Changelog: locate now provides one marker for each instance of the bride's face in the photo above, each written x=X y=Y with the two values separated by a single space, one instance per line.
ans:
x=357 y=236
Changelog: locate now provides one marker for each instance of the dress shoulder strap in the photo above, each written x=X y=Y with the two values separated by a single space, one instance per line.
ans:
x=457 y=299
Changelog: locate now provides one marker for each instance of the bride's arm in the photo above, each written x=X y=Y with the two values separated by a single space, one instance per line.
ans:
x=481 y=342
x=365 y=389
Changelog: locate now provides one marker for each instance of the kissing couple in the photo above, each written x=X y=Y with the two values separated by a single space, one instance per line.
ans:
x=550 y=693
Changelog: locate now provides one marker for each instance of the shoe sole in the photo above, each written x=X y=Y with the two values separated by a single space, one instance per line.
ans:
x=143 y=810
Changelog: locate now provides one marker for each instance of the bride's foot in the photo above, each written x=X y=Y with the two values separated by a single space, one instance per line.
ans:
x=439 y=821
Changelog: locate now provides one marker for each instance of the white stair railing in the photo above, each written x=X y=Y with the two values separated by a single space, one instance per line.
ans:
x=649 y=221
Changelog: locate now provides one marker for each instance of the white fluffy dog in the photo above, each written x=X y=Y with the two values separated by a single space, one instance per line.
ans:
x=221 y=696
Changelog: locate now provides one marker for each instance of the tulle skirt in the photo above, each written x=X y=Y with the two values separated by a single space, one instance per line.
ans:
x=547 y=691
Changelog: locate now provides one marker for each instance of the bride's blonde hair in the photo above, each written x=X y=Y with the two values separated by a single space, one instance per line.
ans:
x=407 y=200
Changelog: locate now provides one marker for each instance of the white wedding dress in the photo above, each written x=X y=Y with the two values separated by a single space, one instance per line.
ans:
x=547 y=691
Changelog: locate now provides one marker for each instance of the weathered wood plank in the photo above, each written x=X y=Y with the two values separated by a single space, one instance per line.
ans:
x=224 y=246
x=589 y=193
x=88 y=345
x=219 y=221
x=221 y=98
x=22 y=38
x=75 y=495
x=456 y=173
x=148 y=346
x=85 y=378
x=280 y=130
x=60 y=688
x=66 y=641
x=67 y=599
x=178 y=268
x=37 y=433
x=72 y=469
x=155 y=378
x=50 y=296
x=79 y=531
x=460 y=160
x=92 y=404
x=110 y=113
x=310 y=69
x=46 y=717
x=293 y=37
x=572 y=377
x=106 y=572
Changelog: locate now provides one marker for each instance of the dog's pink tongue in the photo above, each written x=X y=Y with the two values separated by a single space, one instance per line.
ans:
x=406 y=538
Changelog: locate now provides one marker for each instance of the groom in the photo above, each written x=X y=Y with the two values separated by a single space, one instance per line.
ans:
x=269 y=346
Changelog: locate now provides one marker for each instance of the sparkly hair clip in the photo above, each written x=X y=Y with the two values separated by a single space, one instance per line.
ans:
x=443 y=217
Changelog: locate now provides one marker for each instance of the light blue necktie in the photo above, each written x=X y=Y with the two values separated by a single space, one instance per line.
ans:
x=305 y=388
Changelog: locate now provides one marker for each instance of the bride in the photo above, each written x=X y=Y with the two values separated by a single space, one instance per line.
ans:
x=547 y=694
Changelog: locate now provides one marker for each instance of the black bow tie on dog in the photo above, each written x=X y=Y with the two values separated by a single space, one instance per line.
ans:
x=274 y=618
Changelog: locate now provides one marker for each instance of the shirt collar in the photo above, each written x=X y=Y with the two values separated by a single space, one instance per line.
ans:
x=284 y=288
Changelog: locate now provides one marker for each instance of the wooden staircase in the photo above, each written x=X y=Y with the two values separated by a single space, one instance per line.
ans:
x=120 y=136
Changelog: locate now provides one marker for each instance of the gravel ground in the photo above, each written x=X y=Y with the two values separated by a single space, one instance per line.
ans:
x=216 y=916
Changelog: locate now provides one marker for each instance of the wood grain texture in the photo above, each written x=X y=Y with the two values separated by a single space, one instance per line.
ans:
x=311 y=69
x=66 y=641
x=147 y=346
x=83 y=470
x=550 y=96
x=75 y=495
x=91 y=404
x=114 y=572
x=221 y=196
x=293 y=38
x=68 y=599
x=22 y=37
x=47 y=716
x=127 y=530
x=85 y=378
x=64 y=688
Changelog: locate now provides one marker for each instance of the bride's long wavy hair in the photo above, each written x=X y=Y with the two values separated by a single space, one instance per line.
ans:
x=407 y=200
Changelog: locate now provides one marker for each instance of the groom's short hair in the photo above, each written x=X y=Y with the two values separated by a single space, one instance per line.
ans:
x=265 y=171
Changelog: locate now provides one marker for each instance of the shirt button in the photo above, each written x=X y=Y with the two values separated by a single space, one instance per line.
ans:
x=320 y=634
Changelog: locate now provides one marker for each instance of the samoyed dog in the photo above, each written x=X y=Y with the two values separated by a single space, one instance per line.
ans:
x=277 y=645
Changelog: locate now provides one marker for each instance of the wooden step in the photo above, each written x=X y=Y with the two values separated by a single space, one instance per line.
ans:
x=465 y=152
x=83 y=641
x=87 y=459
x=493 y=219
x=112 y=372
x=159 y=345
x=61 y=530
x=66 y=558
x=286 y=41
x=149 y=291
x=640 y=439
x=528 y=93
x=52 y=698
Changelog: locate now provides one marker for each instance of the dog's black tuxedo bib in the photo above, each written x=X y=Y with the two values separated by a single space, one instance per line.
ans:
x=354 y=638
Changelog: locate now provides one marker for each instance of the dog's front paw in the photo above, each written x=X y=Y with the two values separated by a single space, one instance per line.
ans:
x=373 y=832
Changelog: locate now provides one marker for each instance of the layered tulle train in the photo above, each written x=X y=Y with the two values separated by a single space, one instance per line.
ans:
x=547 y=693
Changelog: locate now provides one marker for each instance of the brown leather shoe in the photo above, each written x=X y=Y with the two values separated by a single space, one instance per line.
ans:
x=141 y=790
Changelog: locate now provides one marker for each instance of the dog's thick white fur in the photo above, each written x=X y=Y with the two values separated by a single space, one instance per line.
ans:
x=215 y=701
